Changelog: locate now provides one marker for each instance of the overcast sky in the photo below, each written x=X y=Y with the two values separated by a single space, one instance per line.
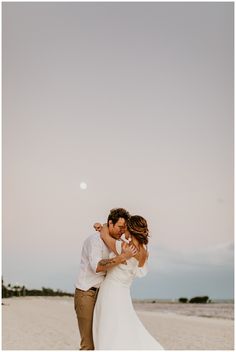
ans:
x=136 y=100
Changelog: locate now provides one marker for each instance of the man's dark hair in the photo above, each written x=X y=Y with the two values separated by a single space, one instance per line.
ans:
x=117 y=213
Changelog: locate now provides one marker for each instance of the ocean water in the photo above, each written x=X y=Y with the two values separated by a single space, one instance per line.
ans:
x=221 y=310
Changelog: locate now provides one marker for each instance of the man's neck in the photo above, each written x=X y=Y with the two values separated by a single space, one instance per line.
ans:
x=126 y=236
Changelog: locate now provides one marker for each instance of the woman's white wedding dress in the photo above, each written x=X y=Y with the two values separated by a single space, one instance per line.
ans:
x=116 y=325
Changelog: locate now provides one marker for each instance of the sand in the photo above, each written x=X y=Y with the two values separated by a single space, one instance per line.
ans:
x=35 y=323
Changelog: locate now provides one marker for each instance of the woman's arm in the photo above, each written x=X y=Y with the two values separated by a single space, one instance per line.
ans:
x=143 y=256
x=104 y=233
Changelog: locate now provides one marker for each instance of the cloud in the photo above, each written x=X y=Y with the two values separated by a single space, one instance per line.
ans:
x=204 y=271
x=165 y=259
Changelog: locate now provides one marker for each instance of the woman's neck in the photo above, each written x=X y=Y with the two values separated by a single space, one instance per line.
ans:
x=135 y=241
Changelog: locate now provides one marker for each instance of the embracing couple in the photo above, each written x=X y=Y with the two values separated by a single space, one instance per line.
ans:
x=111 y=258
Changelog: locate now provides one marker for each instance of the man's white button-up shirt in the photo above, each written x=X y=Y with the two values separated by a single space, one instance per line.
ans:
x=94 y=250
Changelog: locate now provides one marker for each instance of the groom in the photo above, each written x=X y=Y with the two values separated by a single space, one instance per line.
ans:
x=93 y=266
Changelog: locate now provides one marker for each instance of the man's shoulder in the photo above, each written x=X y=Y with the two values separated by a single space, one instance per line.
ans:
x=94 y=238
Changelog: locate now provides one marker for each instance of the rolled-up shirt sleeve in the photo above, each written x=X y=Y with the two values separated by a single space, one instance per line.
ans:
x=95 y=254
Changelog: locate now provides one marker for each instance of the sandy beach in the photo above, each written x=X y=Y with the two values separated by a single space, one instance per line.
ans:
x=38 y=323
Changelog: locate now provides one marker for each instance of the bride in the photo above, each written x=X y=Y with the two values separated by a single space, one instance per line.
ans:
x=116 y=325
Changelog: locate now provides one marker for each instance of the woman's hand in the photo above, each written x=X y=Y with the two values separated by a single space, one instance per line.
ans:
x=97 y=226
x=103 y=229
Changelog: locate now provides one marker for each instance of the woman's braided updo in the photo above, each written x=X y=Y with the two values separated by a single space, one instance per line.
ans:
x=138 y=228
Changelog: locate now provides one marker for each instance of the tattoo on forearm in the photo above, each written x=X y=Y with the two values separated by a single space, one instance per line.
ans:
x=105 y=262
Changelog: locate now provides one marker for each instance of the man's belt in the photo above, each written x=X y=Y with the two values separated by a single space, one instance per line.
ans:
x=93 y=289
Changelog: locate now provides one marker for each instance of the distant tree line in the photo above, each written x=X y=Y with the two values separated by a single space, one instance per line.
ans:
x=16 y=290
x=197 y=299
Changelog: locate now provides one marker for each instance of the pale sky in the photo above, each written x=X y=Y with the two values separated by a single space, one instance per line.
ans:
x=136 y=100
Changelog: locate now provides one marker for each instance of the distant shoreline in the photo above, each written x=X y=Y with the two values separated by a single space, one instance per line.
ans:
x=135 y=300
x=176 y=300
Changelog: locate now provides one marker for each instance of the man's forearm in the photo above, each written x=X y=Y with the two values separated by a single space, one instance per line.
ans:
x=106 y=264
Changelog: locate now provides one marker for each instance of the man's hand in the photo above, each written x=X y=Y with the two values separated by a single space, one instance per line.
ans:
x=129 y=251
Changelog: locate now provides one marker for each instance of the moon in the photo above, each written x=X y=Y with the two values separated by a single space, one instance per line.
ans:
x=83 y=185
